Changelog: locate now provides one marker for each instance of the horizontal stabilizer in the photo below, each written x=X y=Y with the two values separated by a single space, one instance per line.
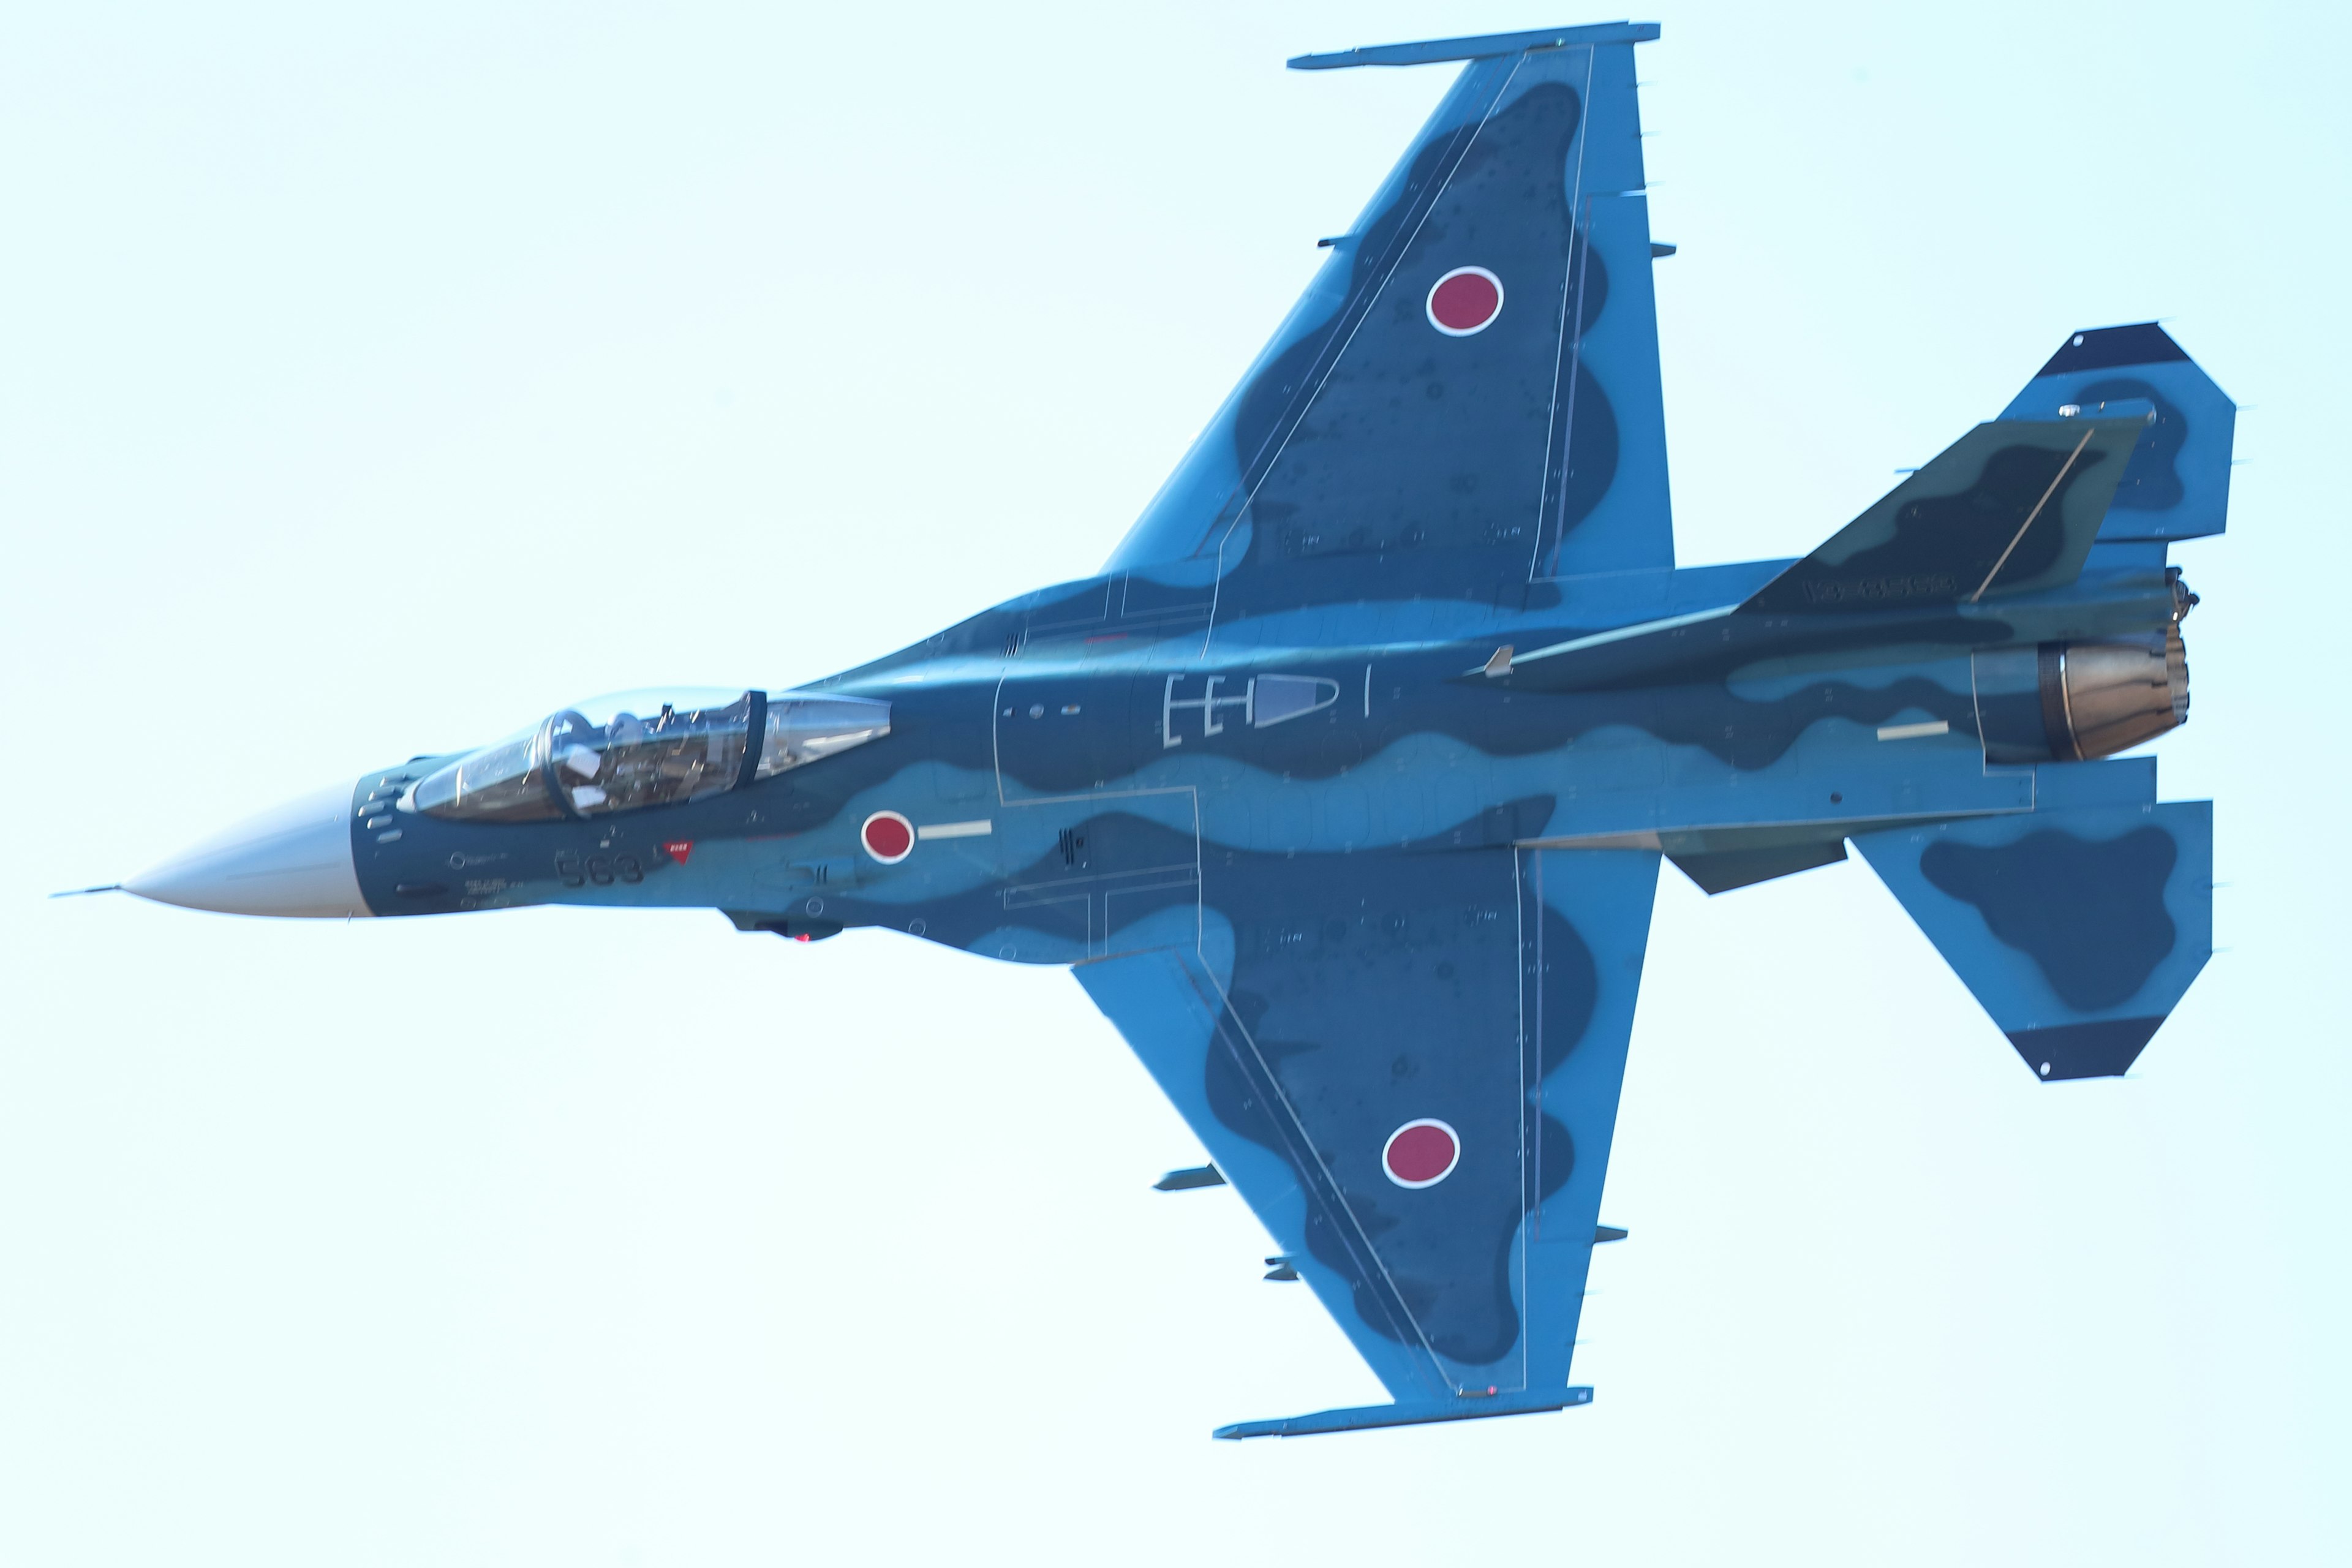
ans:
x=2009 y=508
x=2177 y=484
x=2077 y=929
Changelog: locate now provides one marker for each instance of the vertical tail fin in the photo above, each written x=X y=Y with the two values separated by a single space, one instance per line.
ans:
x=2011 y=506
x=2177 y=484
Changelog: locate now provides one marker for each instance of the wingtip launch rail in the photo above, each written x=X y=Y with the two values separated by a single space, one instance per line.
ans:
x=1365 y=1418
x=1437 y=51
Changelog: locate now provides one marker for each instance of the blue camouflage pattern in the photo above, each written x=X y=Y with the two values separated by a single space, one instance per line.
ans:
x=1344 y=786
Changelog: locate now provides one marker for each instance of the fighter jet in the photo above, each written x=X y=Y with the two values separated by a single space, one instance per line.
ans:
x=1343 y=787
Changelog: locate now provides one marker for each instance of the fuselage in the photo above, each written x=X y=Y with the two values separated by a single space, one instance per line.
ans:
x=1048 y=763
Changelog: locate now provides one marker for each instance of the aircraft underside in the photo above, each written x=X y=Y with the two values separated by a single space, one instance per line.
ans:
x=1345 y=786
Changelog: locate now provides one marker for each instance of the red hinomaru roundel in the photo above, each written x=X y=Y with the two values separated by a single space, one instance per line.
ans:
x=888 y=837
x=1420 y=1154
x=1465 y=301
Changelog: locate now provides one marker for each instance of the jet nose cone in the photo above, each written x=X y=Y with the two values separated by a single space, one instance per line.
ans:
x=295 y=860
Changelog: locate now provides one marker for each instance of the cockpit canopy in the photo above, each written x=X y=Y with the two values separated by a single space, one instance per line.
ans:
x=636 y=749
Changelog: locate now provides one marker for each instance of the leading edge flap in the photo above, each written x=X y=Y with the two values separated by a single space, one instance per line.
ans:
x=1408 y=1064
x=2078 y=930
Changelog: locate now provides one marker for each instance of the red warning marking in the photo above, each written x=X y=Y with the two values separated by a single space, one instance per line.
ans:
x=888 y=837
x=1420 y=1154
x=1465 y=301
x=678 y=849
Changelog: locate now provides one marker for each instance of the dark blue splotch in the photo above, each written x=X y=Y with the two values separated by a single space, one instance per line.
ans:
x=2089 y=912
x=1335 y=1018
x=1943 y=546
x=1335 y=438
x=2151 y=480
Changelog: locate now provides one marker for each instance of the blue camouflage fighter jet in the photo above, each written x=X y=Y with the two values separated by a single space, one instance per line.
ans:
x=1343 y=787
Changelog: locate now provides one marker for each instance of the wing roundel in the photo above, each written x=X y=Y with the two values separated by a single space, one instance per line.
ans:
x=1408 y=1064
x=1467 y=397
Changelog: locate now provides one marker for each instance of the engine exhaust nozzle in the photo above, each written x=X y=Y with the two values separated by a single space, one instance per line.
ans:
x=2071 y=702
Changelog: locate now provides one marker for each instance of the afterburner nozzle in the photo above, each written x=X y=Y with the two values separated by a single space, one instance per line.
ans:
x=2073 y=701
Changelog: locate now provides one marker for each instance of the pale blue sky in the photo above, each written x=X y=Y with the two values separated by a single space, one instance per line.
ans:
x=373 y=383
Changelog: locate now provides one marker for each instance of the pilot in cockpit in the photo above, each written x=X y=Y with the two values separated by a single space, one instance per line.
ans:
x=575 y=749
x=691 y=747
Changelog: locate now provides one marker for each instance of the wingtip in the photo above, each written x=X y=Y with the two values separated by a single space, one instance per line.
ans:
x=1483 y=46
x=1365 y=1418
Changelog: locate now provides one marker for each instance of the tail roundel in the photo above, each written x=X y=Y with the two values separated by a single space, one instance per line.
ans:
x=2177 y=484
x=2079 y=925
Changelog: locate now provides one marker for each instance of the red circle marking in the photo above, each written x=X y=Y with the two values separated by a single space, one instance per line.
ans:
x=889 y=836
x=1420 y=1154
x=1465 y=301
